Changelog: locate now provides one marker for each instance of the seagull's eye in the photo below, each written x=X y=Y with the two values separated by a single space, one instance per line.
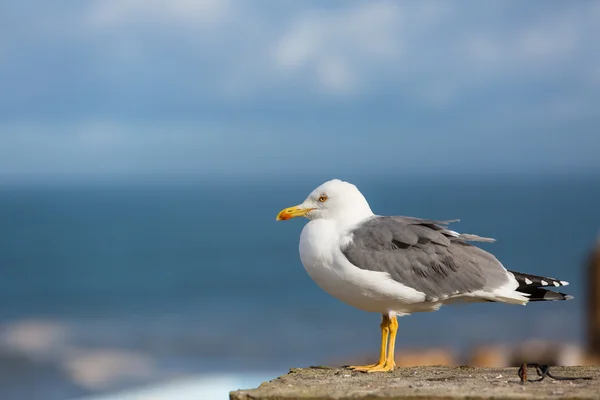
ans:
x=323 y=198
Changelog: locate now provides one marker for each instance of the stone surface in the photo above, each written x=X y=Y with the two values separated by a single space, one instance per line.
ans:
x=424 y=383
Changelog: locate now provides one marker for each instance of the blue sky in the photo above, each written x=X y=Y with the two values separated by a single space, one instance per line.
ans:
x=133 y=89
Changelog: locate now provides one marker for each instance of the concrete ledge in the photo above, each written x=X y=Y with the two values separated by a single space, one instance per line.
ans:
x=424 y=383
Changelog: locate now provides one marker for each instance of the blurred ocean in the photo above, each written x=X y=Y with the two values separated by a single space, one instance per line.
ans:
x=112 y=285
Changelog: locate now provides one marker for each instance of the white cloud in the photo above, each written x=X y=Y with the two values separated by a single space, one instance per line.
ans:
x=548 y=42
x=417 y=49
x=530 y=46
x=335 y=74
x=111 y=13
x=328 y=44
x=424 y=49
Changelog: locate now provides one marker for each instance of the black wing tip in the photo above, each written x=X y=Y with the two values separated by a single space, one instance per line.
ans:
x=535 y=281
x=539 y=294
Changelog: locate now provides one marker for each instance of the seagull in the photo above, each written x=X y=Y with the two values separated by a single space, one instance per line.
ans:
x=396 y=265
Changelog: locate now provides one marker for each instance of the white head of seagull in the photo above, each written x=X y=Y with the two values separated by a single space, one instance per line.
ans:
x=333 y=200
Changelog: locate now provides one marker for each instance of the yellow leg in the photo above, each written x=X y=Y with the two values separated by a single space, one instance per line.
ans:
x=385 y=331
x=389 y=362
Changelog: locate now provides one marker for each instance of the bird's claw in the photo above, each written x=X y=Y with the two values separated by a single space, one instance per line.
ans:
x=373 y=368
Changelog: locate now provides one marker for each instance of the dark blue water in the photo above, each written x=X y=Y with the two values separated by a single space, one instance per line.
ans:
x=199 y=277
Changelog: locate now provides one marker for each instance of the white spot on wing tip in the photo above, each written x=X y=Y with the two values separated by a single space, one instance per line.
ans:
x=556 y=284
x=564 y=283
x=544 y=283
x=528 y=281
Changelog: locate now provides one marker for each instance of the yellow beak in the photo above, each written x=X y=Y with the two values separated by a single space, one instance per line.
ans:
x=292 y=212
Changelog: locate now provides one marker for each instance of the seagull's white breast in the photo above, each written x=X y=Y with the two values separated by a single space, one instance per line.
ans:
x=367 y=290
x=317 y=243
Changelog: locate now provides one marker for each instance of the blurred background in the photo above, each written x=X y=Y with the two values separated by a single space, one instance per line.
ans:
x=147 y=146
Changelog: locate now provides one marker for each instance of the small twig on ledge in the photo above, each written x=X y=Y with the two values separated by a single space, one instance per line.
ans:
x=543 y=371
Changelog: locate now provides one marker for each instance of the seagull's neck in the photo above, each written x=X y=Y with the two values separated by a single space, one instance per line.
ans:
x=352 y=217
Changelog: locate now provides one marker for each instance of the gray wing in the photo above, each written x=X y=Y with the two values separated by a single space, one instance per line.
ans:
x=424 y=255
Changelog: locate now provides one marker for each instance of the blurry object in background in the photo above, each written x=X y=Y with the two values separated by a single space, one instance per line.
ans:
x=107 y=368
x=531 y=351
x=37 y=345
x=493 y=355
x=28 y=353
x=37 y=339
x=420 y=357
x=489 y=356
x=593 y=279
x=545 y=352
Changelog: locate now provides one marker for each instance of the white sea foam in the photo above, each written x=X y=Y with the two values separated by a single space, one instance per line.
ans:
x=206 y=387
